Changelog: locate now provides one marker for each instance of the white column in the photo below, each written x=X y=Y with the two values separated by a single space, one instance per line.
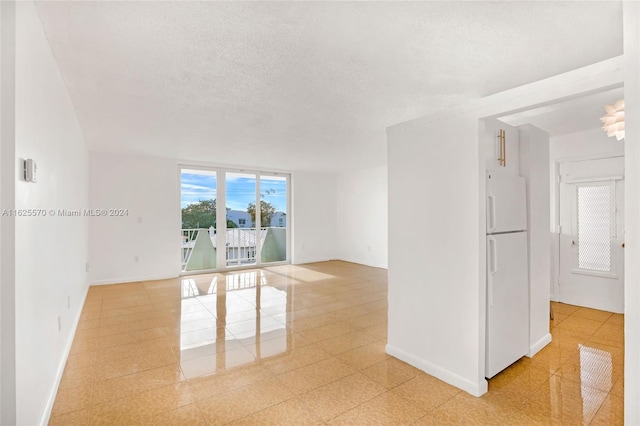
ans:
x=631 y=11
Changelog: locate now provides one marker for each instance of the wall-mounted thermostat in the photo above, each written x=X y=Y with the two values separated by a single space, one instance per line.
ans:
x=30 y=169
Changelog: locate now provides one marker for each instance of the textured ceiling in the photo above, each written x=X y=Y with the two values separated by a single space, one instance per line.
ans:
x=302 y=85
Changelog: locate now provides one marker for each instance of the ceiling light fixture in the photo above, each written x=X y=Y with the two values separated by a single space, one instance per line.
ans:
x=613 y=121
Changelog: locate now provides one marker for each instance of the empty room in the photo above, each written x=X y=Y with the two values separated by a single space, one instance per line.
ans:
x=319 y=212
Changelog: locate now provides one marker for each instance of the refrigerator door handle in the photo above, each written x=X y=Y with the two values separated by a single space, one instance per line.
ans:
x=494 y=256
x=493 y=268
x=492 y=212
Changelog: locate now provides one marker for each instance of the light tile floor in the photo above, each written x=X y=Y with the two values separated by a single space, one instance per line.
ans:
x=305 y=345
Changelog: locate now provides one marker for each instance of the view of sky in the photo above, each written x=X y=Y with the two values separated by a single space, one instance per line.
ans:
x=241 y=189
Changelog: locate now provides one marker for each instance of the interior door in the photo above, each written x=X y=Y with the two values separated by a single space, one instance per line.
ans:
x=592 y=234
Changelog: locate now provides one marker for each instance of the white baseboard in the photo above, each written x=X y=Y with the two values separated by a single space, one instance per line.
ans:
x=364 y=263
x=133 y=279
x=302 y=261
x=475 y=389
x=539 y=345
x=46 y=415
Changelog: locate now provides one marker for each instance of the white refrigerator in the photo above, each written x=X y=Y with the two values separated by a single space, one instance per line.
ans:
x=507 y=332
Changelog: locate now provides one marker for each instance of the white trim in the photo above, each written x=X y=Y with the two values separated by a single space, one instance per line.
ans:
x=289 y=219
x=475 y=389
x=221 y=212
x=555 y=287
x=602 y=274
x=132 y=279
x=595 y=179
x=46 y=415
x=231 y=269
x=206 y=165
x=357 y=262
x=590 y=157
x=305 y=261
x=539 y=345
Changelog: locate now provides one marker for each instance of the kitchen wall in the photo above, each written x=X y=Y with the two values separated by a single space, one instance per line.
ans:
x=437 y=273
x=149 y=189
x=51 y=250
x=434 y=267
x=362 y=217
x=593 y=142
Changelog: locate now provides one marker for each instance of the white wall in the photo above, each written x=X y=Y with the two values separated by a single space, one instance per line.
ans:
x=593 y=142
x=314 y=217
x=363 y=218
x=51 y=251
x=148 y=188
x=534 y=166
x=7 y=223
x=632 y=211
x=583 y=144
x=434 y=290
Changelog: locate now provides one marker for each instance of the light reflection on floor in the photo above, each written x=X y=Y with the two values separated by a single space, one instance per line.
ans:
x=230 y=321
x=596 y=371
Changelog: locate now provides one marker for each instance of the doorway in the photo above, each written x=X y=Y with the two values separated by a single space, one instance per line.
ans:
x=591 y=233
x=233 y=219
x=583 y=162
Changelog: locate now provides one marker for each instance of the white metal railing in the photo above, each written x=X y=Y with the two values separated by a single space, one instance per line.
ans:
x=241 y=247
x=188 y=239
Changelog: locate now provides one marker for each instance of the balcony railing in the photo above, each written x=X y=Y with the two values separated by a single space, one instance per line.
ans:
x=241 y=246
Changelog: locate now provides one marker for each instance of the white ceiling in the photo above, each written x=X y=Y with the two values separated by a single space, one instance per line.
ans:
x=302 y=85
x=570 y=116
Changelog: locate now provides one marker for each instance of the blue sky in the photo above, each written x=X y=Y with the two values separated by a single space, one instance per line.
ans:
x=241 y=189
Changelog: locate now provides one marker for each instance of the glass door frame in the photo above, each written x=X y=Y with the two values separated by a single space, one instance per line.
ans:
x=221 y=226
x=260 y=176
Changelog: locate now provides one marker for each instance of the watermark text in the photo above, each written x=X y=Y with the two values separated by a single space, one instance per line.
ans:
x=64 y=212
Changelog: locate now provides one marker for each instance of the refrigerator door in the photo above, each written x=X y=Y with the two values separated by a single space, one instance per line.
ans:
x=506 y=204
x=507 y=334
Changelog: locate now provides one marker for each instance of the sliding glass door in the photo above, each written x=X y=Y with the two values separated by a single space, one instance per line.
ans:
x=221 y=226
x=242 y=235
x=273 y=218
x=198 y=199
